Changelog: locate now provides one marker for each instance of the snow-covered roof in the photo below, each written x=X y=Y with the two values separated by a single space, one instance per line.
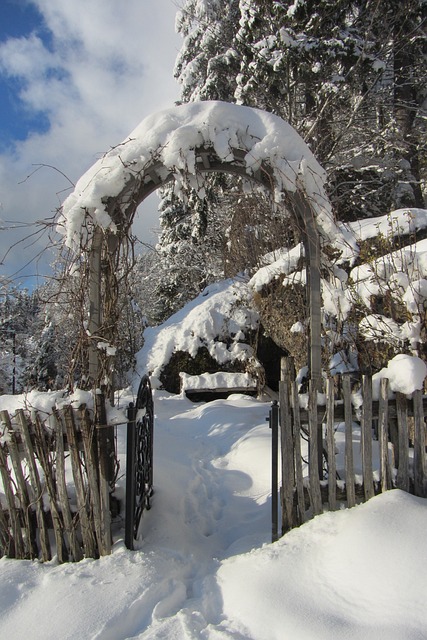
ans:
x=170 y=139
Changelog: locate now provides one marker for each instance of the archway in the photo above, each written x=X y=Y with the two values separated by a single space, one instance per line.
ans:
x=180 y=144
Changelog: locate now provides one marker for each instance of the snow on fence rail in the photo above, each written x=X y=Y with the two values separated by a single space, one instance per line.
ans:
x=36 y=456
x=352 y=453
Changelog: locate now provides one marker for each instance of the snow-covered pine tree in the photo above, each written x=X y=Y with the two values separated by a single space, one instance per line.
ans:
x=189 y=248
x=192 y=236
x=207 y=65
x=348 y=75
x=19 y=309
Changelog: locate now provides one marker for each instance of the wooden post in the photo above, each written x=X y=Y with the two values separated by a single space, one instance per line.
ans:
x=297 y=452
x=349 y=463
x=75 y=551
x=385 y=476
x=10 y=499
x=311 y=240
x=274 y=426
x=366 y=426
x=81 y=494
x=332 y=467
x=94 y=304
x=22 y=488
x=130 y=476
x=402 y=480
x=420 y=479
x=315 y=494
x=90 y=449
x=106 y=459
x=288 y=475
x=36 y=484
x=50 y=483
x=7 y=543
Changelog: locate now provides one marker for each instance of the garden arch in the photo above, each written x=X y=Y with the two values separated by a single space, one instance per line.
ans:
x=183 y=143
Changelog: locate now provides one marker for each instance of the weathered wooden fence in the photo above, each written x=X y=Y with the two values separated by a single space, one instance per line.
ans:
x=335 y=453
x=43 y=507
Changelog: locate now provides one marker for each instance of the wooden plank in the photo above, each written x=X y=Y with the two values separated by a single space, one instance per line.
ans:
x=383 y=436
x=105 y=437
x=95 y=303
x=43 y=454
x=75 y=550
x=287 y=449
x=36 y=485
x=366 y=433
x=91 y=463
x=274 y=426
x=86 y=525
x=315 y=495
x=15 y=525
x=30 y=537
x=330 y=433
x=349 y=462
x=7 y=543
x=297 y=453
x=402 y=479
x=420 y=480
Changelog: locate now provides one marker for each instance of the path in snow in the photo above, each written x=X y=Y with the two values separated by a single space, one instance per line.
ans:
x=356 y=574
x=205 y=509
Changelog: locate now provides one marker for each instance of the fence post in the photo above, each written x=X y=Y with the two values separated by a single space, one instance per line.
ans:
x=130 y=476
x=349 y=461
x=106 y=469
x=314 y=475
x=385 y=476
x=274 y=426
x=36 y=485
x=297 y=452
x=401 y=456
x=420 y=480
x=86 y=528
x=332 y=468
x=366 y=427
x=287 y=447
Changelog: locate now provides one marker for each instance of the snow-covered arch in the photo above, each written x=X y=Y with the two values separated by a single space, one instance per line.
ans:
x=183 y=143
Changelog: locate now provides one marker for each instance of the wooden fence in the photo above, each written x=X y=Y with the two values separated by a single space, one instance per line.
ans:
x=333 y=453
x=56 y=478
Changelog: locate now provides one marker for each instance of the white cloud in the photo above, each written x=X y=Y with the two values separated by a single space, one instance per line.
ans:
x=105 y=67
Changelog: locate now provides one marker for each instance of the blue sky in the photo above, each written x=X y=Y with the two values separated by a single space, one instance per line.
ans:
x=76 y=77
x=18 y=18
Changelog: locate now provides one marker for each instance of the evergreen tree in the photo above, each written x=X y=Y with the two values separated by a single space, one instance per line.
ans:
x=190 y=247
x=348 y=75
x=207 y=65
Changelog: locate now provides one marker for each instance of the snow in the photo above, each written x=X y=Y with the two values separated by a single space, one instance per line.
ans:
x=217 y=319
x=170 y=138
x=278 y=263
x=205 y=568
x=405 y=374
x=219 y=380
x=397 y=222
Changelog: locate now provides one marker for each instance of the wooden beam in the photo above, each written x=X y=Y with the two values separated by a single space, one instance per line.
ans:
x=94 y=304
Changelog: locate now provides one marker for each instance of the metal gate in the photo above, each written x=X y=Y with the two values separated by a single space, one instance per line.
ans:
x=139 y=459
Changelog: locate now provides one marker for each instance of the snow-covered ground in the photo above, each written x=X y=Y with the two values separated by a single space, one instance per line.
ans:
x=205 y=567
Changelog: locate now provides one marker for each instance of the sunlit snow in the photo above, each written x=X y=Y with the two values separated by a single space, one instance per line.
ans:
x=171 y=137
x=205 y=567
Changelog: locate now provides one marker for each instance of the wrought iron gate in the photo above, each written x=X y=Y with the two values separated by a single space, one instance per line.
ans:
x=139 y=459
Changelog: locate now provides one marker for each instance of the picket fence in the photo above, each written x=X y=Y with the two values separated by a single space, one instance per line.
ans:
x=352 y=454
x=36 y=455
